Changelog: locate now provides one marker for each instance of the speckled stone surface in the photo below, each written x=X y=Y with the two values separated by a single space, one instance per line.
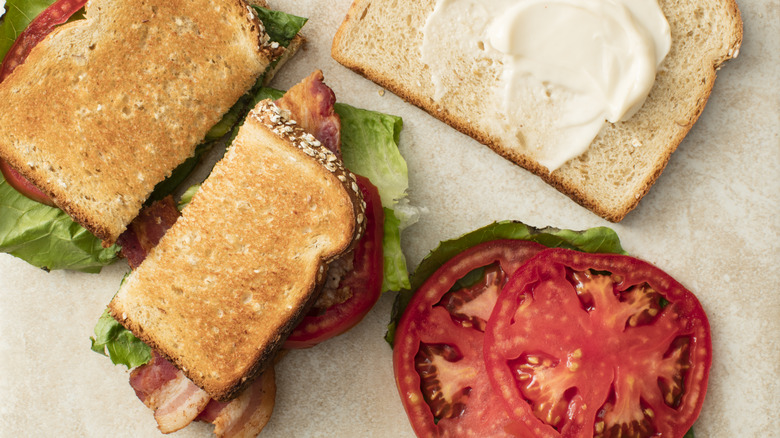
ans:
x=711 y=221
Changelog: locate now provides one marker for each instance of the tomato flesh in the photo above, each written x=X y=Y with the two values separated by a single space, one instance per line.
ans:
x=42 y=25
x=56 y=14
x=338 y=310
x=598 y=345
x=23 y=185
x=437 y=357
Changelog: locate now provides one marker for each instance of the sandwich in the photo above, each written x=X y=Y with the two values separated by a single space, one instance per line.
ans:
x=515 y=331
x=592 y=97
x=96 y=183
x=265 y=248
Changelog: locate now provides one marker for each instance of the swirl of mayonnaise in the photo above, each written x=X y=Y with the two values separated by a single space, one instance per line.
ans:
x=567 y=65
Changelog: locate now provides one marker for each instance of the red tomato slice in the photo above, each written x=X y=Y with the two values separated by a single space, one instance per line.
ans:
x=598 y=345
x=42 y=25
x=23 y=185
x=437 y=355
x=339 y=308
x=56 y=14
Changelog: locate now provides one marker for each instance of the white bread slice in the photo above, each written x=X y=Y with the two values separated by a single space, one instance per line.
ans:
x=106 y=107
x=228 y=282
x=382 y=40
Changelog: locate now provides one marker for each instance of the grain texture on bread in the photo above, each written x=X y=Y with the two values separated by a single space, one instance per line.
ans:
x=382 y=40
x=233 y=276
x=106 y=107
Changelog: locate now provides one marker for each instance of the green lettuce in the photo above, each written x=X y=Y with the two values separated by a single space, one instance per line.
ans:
x=46 y=237
x=396 y=273
x=369 y=144
x=279 y=26
x=18 y=16
x=118 y=343
x=601 y=239
x=186 y=197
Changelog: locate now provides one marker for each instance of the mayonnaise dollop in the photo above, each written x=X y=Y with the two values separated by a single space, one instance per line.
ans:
x=2 y=8
x=566 y=65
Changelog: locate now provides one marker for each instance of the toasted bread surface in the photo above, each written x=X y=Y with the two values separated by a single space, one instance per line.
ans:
x=233 y=276
x=106 y=107
x=382 y=40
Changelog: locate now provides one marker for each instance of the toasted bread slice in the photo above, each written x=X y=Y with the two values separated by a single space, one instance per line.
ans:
x=382 y=40
x=234 y=275
x=106 y=107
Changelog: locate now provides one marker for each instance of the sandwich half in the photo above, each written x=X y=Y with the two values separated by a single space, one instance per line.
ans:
x=232 y=277
x=106 y=107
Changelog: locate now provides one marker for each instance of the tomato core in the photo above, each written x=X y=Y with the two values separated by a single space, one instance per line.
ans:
x=598 y=345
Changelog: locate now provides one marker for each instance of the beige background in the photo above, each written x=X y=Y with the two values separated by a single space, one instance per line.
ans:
x=711 y=221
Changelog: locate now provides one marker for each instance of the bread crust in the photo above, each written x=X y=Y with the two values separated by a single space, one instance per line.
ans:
x=235 y=274
x=106 y=107
x=613 y=197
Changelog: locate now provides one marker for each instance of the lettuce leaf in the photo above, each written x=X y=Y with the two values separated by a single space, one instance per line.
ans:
x=396 y=273
x=18 y=16
x=279 y=26
x=370 y=148
x=601 y=239
x=186 y=197
x=118 y=343
x=46 y=237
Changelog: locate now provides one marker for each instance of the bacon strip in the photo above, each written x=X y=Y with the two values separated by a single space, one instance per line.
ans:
x=175 y=400
x=248 y=414
x=311 y=105
x=147 y=229
x=177 y=403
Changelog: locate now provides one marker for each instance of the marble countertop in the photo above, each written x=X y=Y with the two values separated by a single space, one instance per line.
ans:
x=711 y=221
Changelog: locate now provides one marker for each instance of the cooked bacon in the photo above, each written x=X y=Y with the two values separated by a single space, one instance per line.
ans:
x=212 y=410
x=147 y=229
x=247 y=415
x=148 y=378
x=177 y=403
x=175 y=400
x=311 y=105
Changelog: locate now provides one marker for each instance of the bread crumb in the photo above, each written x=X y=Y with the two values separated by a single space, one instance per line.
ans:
x=381 y=92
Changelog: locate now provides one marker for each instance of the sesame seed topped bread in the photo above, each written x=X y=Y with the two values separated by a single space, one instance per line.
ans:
x=106 y=107
x=382 y=40
x=234 y=275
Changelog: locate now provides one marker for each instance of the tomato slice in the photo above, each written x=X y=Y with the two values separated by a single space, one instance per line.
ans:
x=23 y=185
x=437 y=356
x=339 y=307
x=598 y=345
x=56 y=14
x=42 y=25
